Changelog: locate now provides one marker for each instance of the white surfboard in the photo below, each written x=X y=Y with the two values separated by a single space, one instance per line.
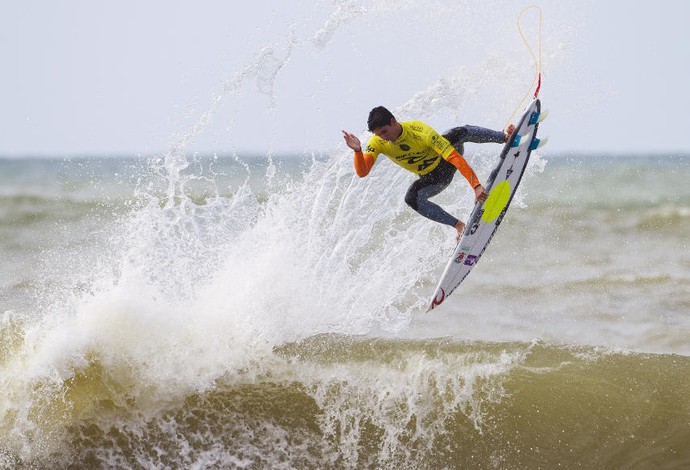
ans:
x=487 y=215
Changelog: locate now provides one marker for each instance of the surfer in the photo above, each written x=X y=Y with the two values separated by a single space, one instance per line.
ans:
x=418 y=148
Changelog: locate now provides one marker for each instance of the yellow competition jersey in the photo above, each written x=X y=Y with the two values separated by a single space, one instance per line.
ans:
x=418 y=149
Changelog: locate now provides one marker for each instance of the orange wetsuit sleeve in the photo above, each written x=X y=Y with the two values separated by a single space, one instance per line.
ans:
x=363 y=163
x=463 y=167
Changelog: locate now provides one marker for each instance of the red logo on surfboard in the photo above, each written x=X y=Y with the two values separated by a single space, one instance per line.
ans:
x=437 y=301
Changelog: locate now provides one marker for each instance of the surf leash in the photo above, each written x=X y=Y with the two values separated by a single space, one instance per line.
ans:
x=536 y=81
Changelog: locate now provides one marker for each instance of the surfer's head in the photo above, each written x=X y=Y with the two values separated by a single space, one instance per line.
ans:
x=382 y=123
x=379 y=117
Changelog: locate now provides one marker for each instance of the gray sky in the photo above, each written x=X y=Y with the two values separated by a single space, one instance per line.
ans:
x=133 y=77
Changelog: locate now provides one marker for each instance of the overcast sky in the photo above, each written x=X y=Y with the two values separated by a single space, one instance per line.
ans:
x=138 y=77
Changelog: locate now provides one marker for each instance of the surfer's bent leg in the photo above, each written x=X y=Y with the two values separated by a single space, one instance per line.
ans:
x=457 y=136
x=428 y=186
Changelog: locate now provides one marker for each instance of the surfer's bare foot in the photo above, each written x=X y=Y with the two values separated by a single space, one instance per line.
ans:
x=460 y=226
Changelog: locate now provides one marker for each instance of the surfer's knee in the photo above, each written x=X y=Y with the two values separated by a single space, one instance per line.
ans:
x=411 y=198
x=457 y=135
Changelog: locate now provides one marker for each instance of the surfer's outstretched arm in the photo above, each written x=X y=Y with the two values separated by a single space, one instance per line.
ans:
x=352 y=141
x=363 y=162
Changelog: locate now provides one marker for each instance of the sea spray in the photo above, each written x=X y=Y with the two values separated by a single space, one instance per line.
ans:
x=203 y=292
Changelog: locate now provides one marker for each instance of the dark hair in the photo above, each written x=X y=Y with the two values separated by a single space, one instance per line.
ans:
x=379 y=117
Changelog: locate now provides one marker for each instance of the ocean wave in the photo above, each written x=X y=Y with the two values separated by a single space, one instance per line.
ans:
x=334 y=401
x=665 y=216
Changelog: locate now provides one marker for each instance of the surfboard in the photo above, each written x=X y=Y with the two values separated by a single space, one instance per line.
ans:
x=488 y=215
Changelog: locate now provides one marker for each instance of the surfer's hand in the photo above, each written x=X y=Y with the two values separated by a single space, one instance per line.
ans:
x=509 y=131
x=352 y=141
x=480 y=194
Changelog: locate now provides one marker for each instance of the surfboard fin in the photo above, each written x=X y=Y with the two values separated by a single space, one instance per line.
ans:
x=543 y=115
x=538 y=143
x=538 y=117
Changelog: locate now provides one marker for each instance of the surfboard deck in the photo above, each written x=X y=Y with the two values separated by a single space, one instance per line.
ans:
x=488 y=215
